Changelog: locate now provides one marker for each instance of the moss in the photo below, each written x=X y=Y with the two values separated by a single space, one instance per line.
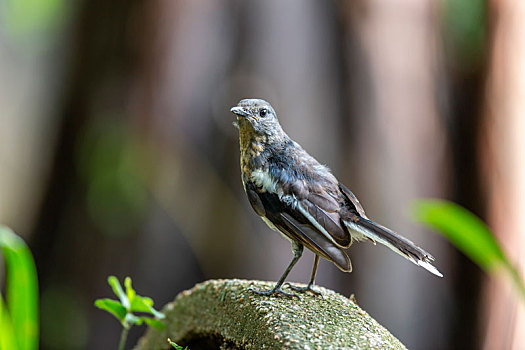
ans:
x=225 y=314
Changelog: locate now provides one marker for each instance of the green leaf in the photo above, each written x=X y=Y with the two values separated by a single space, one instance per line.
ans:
x=147 y=300
x=144 y=304
x=7 y=333
x=158 y=325
x=174 y=345
x=468 y=233
x=21 y=289
x=135 y=303
x=465 y=230
x=113 y=307
x=130 y=293
x=139 y=305
x=117 y=289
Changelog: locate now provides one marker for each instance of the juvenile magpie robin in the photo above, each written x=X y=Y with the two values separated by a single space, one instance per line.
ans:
x=298 y=197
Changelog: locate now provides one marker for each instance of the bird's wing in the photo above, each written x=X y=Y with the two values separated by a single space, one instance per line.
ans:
x=322 y=211
x=288 y=215
x=312 y=239
x=353 y=200
x=255 y=201
x=316 y=196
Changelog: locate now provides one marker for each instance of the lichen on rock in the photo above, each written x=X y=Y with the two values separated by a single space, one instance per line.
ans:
x=225 y=314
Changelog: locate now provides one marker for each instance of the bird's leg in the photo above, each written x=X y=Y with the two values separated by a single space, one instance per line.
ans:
x=297 y=250
x=310 y=286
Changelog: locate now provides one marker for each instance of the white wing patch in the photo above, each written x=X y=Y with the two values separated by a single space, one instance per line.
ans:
x=427 y=266
x=264 y=180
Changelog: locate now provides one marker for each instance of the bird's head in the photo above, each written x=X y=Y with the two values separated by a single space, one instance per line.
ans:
x=257 y=118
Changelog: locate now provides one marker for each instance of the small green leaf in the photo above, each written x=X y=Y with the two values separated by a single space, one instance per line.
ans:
x=139 y=305
x=117 y=289
x=174 y=345
x=113 y=307
x=144 y=304
x=148 y=301
x=158 y=325
x=21 y=289
x=130 y=293
x=135 y=303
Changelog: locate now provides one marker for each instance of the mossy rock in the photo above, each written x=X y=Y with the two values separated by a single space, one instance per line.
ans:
x=225 y=314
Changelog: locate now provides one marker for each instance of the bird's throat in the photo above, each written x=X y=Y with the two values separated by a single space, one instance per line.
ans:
x=253 y=155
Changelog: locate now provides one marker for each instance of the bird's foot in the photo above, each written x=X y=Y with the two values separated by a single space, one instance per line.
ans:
x=277 y=291
x=308 y=288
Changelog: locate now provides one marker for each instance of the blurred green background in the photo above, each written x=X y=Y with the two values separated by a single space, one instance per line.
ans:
x=118 y=156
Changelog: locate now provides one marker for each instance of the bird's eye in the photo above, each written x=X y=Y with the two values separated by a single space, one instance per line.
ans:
x=263 y=112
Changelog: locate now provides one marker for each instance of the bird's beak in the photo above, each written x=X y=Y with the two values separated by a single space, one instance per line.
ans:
x=240 y=111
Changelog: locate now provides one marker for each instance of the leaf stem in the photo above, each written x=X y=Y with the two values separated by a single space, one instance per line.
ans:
x=123 y=338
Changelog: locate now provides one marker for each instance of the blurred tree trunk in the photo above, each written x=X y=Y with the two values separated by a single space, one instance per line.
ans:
x=31 y=66
x=107 y=81
x=401 y=147
x=461 y=83
x=504 y=161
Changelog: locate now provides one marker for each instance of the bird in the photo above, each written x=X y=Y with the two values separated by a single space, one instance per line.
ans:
x=301 y=199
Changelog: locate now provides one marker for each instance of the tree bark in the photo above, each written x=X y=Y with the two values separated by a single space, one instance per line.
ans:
x=504 y=167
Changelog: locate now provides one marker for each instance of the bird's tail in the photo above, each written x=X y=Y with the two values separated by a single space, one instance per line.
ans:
x=394 y=241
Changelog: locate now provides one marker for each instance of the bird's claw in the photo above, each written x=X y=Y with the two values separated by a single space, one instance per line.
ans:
x=275 y=292
x=308 y=288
